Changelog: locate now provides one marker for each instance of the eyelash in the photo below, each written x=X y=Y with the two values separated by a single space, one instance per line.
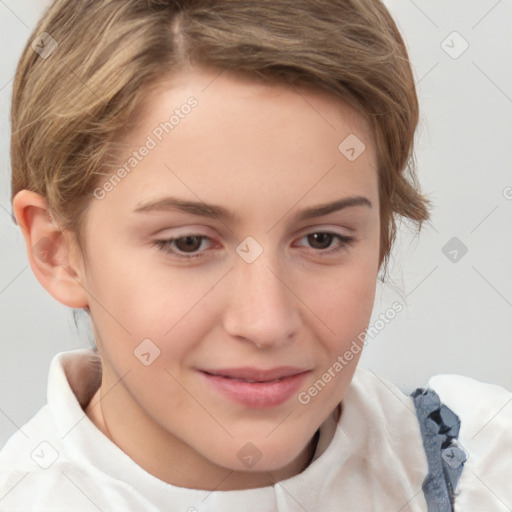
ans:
x=164 y=245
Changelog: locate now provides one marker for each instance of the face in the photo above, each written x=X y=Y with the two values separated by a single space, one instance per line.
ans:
x=229 y=268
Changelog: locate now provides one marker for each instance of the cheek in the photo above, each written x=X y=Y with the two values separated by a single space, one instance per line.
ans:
x=345 y=311
x=343 y=301
x=343 y=305
x=132 y=299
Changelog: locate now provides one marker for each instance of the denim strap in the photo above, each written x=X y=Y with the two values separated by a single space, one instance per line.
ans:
x=439 y=428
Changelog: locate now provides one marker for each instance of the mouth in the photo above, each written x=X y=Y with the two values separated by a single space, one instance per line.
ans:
x=256 y=388
x=255 y=374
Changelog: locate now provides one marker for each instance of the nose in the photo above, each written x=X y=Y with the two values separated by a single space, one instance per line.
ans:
x=262 y=308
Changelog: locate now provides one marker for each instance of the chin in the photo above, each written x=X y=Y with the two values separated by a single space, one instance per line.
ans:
x=263 y=455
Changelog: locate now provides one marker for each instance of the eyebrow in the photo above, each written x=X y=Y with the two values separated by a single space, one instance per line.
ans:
x=221 y=213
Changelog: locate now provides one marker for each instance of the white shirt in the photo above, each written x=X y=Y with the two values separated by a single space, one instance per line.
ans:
x=371 y=460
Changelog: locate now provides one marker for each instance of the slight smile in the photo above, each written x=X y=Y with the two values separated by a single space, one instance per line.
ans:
x=254 y=387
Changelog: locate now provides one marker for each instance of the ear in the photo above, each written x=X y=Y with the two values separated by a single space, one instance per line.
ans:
x=53 y=254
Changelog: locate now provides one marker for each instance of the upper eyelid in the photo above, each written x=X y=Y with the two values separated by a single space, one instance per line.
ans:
x=190 y=231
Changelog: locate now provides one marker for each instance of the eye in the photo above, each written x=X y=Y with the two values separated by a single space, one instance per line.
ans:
x=194 y=246
x=322 y=241
x=183 y=247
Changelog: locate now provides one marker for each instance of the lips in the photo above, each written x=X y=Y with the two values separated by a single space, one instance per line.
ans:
x=254 y=387
x=255 y=374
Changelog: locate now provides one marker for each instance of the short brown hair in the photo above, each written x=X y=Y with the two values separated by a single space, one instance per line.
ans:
x=69 y=109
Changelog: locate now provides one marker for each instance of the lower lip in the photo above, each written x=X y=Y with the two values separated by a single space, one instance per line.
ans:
x=257 y=395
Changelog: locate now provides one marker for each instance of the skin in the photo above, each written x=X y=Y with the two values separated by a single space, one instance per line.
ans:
x=264 y=152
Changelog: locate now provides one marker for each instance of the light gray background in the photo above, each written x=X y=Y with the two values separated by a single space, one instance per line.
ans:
x=457 y=316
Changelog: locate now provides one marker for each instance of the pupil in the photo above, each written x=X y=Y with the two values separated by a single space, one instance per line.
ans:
x=188 y=243
x=320 y=240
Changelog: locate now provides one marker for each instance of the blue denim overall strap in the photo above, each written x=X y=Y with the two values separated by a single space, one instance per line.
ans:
x=439 y=428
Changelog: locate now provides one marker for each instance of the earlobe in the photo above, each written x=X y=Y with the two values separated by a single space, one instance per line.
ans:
x=52 y=253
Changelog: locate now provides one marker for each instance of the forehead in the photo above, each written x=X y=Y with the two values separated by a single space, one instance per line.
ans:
x=235 y=95
x=265 y=141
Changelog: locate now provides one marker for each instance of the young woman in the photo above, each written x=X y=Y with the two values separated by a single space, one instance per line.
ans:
x=216 y=185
